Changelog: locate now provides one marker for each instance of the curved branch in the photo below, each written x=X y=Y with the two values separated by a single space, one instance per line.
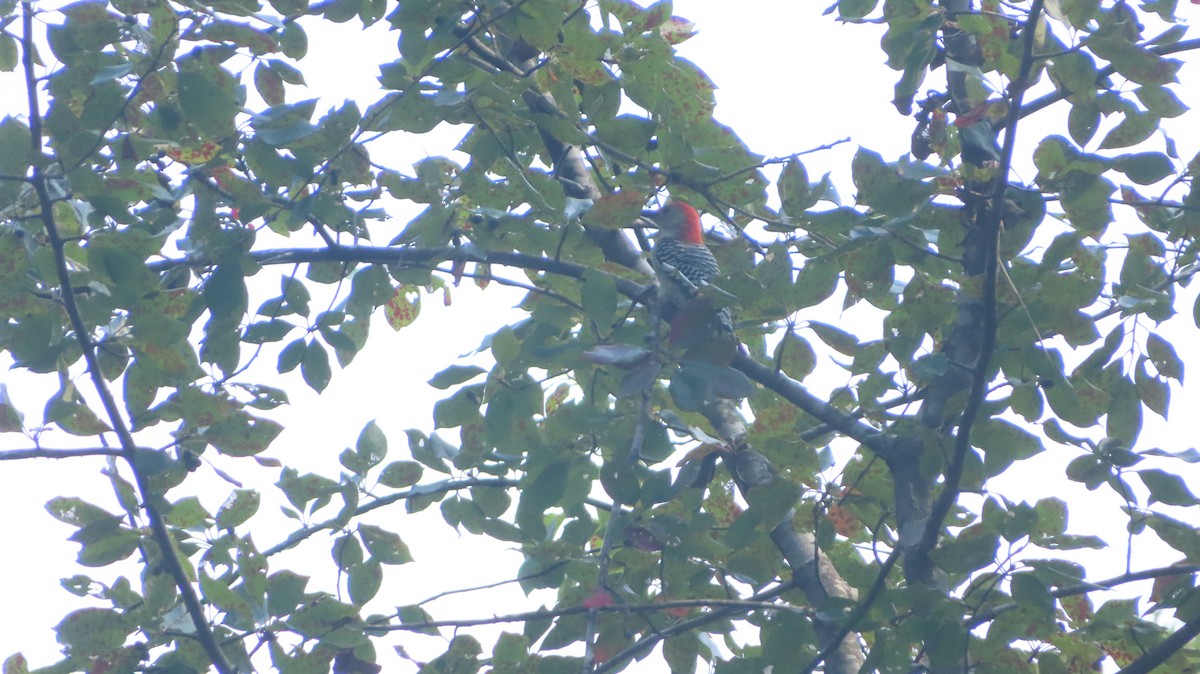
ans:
x=860 y=609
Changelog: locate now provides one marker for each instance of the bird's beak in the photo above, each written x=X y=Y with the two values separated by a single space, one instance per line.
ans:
x=646 y=221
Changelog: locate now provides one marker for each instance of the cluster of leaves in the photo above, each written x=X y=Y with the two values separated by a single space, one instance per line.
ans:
x=150 y=205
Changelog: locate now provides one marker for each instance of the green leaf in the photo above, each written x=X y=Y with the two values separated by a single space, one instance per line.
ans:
x=1003 y=443
x=843 y=342
x=1124 y=421
x=399 y=474
x=93 y=631
x=1133 y=129
x=505 y=345
x=238 y=508
x=1032 y=596
x=314 y=366
x=1162 y=355
x=261 y=332
x=1134 y=61
x=8 y=53
x=206 y=104
x=794 y=190
x=681 y=652
x=293 y=40
x=1154 y=392
x=454 y=375
x=285 y=591
x=105 y=543
x=219 y=594
x=620 y=482
x=883 y=187
x=240 y=434
x=1145 y=168
x=1167 y=487
x=599 y=295
x=973 y=549
x=384 y=546
x=364 y=582
x=1160 y=101
x=291 y=355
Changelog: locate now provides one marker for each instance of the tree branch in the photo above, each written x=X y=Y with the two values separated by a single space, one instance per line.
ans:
x=987 y=329
x=860 y=609
x=1085 y=587
x=442 y=487
x=158 y=527
x=1104 y=73
x=727 y=607
x=1165 y=649
x=650 y=640
x=44 y=453
x=792 y=391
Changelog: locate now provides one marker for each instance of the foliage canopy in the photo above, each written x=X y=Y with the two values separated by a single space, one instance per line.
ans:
x=171 y=210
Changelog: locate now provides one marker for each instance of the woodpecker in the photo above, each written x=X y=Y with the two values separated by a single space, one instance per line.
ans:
x=684 y=266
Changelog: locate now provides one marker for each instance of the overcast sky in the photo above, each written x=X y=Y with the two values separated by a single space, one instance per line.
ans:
x=790 y=79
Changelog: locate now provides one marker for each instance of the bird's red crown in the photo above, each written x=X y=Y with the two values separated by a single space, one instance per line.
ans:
x=688 y=220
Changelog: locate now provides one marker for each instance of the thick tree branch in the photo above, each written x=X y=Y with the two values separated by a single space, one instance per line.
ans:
x=989 y=234
x=570 y=164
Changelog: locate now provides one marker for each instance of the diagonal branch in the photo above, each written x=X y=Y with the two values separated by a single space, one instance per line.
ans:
x=835 y=419
x=1086 y=587
x=860 y=609
x=158 y=527
x=1107 y=71
x=778 y=382
x=1165 y=649
x=650 y=640
x=987 y=330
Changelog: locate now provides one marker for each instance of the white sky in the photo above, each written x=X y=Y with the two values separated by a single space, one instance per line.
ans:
x=790 y=79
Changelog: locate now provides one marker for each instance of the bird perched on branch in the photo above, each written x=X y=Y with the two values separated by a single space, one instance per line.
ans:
x=685 y=267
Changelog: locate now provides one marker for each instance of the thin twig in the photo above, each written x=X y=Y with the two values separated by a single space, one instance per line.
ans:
x=725 y=608
x=1086 y=587
x=44 y=453
x=1105 y=72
